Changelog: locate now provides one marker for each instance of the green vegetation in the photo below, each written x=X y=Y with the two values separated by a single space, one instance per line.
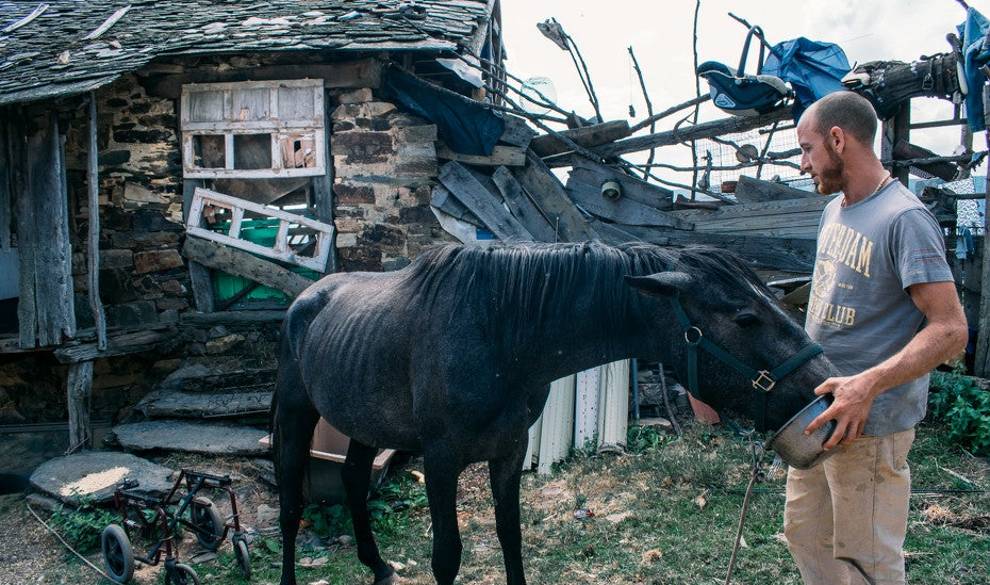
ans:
x=965 y=409
x=82 y=526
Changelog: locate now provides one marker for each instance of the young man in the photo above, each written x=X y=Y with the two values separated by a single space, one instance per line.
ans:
x=884 y=308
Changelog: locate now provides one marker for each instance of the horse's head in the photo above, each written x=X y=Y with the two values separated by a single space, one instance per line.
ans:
x=752 y=358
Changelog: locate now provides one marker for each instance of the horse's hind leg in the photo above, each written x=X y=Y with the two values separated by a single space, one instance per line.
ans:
x=505 y=473
x=294 y=421
x=356 y=476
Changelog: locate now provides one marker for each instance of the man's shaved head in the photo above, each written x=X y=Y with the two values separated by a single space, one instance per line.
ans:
x=847 y=110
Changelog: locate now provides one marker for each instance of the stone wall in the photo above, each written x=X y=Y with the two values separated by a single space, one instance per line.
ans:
x=384 y=166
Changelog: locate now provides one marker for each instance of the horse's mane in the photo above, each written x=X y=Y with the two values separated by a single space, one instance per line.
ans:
x=523 y=281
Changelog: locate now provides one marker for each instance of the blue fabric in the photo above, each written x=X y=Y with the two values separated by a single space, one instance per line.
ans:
x=467 y=126
x=972 y=32
x=813 y=69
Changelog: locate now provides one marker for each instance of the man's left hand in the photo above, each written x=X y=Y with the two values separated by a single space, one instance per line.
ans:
x=853 y=397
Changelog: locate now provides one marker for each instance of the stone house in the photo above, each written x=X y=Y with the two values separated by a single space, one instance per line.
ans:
x=265 y=128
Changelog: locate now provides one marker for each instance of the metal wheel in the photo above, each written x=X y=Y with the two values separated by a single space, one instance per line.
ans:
x=243 y=557
x=183 y=575
x=209 y=525
x=118 y=556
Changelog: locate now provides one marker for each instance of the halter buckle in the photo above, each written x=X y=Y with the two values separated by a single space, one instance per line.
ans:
x=687 y=336
x=764 y=382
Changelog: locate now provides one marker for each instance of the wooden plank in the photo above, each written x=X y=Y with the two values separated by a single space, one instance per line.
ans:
x=511 y=156
x=233 y=318
x=521 y=207
x=764 y=209
x=93 y=239
x=796 y=255
x=6 y=184
x=233 y=261
x=323 y=187
x=483 y=201
x=199 y=275
x=123 y=344
x=750 y=190
x=45 y=310
x=549 y=195
x=445 y=201
x=904 y=150
x=517 y=132
x=588 y=177
x=79 y=390
x=588 y=136
x=624 y=210
x=697 y=132
x=345 y=74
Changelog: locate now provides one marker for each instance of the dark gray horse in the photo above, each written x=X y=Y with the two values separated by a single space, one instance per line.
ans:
x=453 y=355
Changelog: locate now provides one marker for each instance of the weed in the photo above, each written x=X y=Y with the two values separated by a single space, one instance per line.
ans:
x=82 y=526
x=965 y=408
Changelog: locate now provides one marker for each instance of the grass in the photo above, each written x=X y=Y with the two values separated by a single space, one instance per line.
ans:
x=665 y=513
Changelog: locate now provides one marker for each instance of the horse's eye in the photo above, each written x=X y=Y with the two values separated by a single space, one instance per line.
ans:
x=746 y=319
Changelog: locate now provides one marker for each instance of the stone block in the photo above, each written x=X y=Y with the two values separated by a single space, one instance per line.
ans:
x=350 y=194
x=140 y=194
x=223 y=344
x=156 y=261
x=172 y=304
x=363 y=147
x=362 y=110
x=116 y=259
x=356 y=96
x=132 y=314
x=346 y=240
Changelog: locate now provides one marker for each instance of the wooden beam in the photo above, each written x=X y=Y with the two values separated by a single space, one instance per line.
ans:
x=240 y=263
x=622 y=210
x=750 y=190
x=795 y=255
x=342 y=75
x=894 y=130
x=199 y=275
x=521 y=206
x=588 y=136
x=122 y=344
x=904 y=150
x=79 y=390
x=445 y=201
x=589 y=176
x=483 y=201
x=93 y=240
x=233 y=318
x=981 y=360
x=6 y=184
x=699 y=132
x=551 y=198
x=517 y=132
x=323 y=191
x=511 y=156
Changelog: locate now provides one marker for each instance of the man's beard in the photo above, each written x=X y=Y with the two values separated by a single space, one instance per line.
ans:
x=830 y=178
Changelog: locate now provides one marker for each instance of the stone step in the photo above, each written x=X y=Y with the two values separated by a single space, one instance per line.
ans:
x=165 y=403
x=192 y=437
x=93 y=475
x=223 y=377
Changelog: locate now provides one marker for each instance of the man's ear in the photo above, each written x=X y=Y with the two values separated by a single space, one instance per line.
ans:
x=837 y=136
x=666 y=284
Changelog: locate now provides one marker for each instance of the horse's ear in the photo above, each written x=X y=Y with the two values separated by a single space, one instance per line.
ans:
x=662 y=283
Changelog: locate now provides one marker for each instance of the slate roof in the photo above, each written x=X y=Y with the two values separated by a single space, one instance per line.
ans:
x=50 y=55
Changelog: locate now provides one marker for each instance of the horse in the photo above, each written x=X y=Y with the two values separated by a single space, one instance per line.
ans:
x=452 y=356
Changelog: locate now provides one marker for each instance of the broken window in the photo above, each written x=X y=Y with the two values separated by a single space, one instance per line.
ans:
x=253 y=129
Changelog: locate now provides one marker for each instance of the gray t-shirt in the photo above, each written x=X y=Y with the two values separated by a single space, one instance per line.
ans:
x=860 y=312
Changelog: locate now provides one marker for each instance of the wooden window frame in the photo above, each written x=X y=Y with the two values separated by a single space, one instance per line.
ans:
x=273 y=125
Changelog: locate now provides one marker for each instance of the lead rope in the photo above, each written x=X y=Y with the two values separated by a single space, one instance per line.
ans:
x=753 y=478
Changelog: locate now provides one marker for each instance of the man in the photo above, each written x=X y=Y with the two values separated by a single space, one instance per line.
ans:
x=884 y=308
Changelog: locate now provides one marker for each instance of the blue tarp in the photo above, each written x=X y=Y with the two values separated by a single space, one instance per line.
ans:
x=813 y=69
x=975 y=56
x=467 y=126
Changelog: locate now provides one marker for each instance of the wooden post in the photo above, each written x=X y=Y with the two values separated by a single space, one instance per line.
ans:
x=981 y=361
x=895 y=129
x=79 y=389
x=199 y=275
x=93 y=251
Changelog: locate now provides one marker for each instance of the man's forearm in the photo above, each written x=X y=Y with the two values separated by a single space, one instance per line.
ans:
x=930 y=347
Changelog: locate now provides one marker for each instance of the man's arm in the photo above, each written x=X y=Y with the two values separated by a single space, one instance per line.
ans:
x=944 y=336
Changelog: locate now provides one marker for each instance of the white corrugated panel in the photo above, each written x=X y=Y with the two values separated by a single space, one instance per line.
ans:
x=613 y=409
x=533 y=446
x=588 y=386
x=556 y=434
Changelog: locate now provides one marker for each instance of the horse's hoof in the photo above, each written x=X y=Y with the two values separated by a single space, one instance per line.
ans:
x=389 y=579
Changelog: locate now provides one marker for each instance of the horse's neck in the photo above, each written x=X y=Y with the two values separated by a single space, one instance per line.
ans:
x=576 y=342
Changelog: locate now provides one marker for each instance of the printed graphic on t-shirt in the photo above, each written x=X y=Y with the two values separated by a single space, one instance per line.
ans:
x=838 y=246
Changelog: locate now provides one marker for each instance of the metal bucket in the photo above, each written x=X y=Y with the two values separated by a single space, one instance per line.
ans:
x=797 y=449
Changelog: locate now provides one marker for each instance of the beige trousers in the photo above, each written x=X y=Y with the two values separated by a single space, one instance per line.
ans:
x=845 y=519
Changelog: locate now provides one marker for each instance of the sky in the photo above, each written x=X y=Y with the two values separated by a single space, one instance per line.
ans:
x=660 y=33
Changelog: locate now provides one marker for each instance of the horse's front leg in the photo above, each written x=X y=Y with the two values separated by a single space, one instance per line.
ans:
x=356 y=476
x=505 y=473
x=442 y=469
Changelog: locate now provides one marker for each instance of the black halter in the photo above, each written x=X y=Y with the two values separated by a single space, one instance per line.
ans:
x=764 y=380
